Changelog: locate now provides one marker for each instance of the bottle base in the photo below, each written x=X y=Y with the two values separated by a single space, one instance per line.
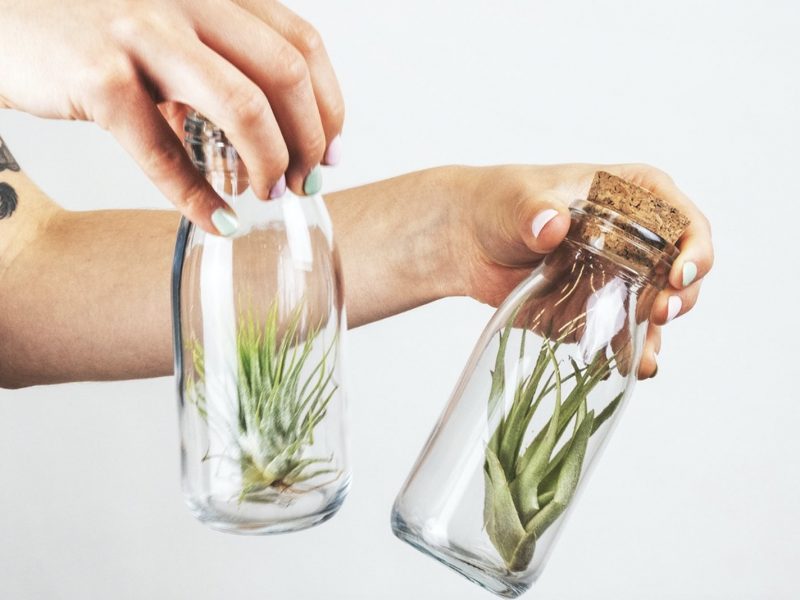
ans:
x=467 y=564
x=228 y=517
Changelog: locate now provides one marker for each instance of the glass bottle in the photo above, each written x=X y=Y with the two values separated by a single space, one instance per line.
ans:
x=258 y=321
x=543 y=389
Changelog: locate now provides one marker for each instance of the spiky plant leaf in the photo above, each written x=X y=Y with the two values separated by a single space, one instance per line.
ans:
x=528 y=487
x=280 y=398
x=500 y=516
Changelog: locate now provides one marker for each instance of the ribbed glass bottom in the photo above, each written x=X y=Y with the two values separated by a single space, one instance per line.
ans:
x=471 y=566
x=226 y=516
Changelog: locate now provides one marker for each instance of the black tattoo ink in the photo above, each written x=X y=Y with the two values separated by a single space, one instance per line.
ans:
x=7 y=160
x=8 y=200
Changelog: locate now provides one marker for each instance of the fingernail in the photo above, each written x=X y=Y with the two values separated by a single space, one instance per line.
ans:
x=689 y=272
x=542 y=219
x=225 y=221
x=334 y=152
x=278 y=189
x=313 y=181
x=674 y=305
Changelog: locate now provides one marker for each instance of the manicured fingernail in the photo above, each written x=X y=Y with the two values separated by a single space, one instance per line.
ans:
x=334 y=152
x=689 y=272
x=278 y=189
x=313 y=181
x=542 y=219
x=225 y=221
x=674 y=305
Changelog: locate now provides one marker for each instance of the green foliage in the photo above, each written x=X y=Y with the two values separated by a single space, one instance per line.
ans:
x=279 y=401
x=527 y=489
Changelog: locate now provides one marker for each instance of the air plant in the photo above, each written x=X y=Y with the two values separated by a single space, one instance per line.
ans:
x=280 y=400
x=528 y=488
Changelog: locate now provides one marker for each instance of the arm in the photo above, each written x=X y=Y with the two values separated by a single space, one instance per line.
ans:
x=86 y=295
x=254 y=68
x=82 y=295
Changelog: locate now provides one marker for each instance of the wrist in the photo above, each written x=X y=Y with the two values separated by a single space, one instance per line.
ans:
x=444 y=235
x=400 y=242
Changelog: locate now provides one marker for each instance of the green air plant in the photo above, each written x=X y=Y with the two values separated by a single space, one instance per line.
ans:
x=527 y=489
x=280 y=400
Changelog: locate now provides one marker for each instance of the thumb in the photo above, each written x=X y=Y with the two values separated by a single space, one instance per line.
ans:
x=543 y=222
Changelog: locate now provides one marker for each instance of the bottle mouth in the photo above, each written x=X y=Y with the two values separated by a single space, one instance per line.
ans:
x=615 y=236
x=207 y=145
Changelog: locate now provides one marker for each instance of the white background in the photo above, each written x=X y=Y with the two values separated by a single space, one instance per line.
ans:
x=697 y=495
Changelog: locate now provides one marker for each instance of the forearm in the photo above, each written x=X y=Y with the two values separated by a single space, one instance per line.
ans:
x=396 y=242
x=86 y=296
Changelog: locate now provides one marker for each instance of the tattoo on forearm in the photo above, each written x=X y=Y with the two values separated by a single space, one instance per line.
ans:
x=7 y=160
x=8 y=196
x=8 y=200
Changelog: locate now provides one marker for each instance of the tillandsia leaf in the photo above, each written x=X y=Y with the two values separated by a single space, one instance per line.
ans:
x=300 y=469
x=498 y=384
x=505 y=430
x=502 y=522
x=281 y=399
x=526 y=492
x=592 y=375
x=534 y=461
x=521 y=413
x=567 y=481
x=552 y=469
x=607 y=412
x=582 y=408
x=546 y=497
x=499 y=372
x=194 y=389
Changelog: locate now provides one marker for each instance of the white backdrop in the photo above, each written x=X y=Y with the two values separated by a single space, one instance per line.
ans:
x=697 y=494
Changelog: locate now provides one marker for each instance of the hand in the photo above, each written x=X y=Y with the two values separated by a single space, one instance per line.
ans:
x=514 y=215
x=254 y=68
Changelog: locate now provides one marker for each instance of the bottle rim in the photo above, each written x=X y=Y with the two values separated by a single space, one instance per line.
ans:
x=615 y=236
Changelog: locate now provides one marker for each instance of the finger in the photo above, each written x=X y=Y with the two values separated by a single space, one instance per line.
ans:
x=543 y=223
x=280 y=70
x=234 y=183
x=175 y=114
x=652 y=346
x=696 y=250
x=672 y=303
x=185 y=70
x=141 y=129
x=307 y=40
x=696 y=256
x=622 y=348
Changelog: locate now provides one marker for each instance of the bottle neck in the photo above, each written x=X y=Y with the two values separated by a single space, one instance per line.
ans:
x=217 y=159
x=606 y=251
x=612 y=242
x=209 y=148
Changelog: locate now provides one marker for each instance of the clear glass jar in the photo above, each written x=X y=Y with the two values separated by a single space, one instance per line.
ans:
x=535 y=405
x=258 y=321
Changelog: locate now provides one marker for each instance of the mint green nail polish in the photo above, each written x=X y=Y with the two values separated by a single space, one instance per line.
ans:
x=225 y=221
x=313 y=182
x=689 y=272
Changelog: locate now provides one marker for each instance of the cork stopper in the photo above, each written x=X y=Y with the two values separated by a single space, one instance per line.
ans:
x=639 y=204
x=642 y=209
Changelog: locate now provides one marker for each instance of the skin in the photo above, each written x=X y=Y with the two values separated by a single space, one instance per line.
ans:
x=99 y=308
x=261 y=73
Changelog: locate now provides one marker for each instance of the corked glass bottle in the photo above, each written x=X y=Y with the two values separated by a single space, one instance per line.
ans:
x=258 y=321
x=540 y=394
